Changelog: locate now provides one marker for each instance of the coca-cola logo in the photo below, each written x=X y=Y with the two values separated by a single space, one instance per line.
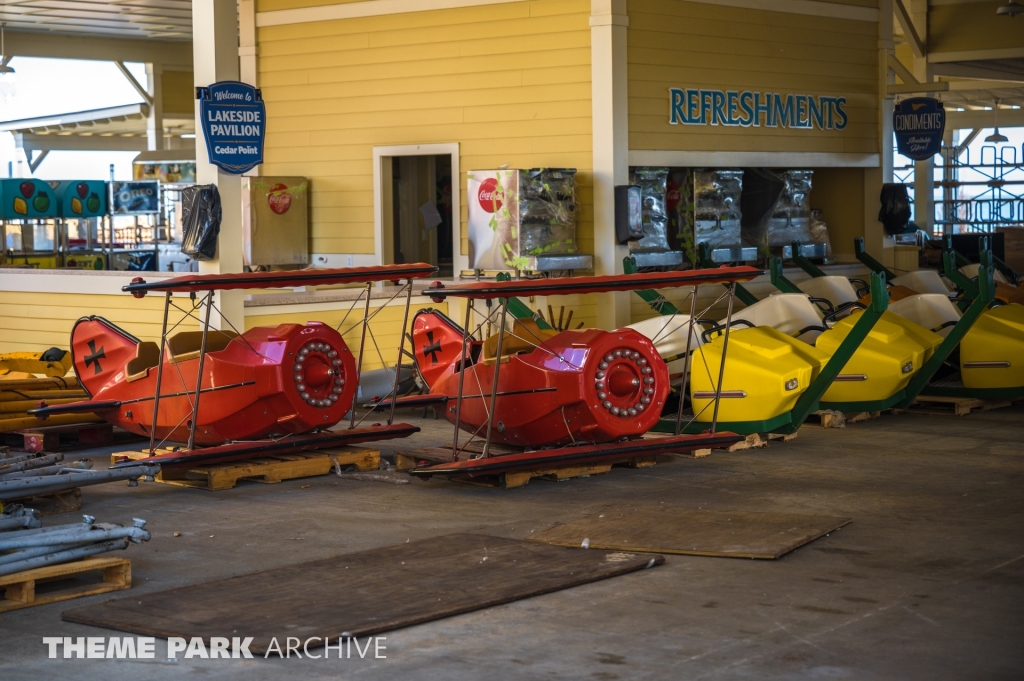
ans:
x=279 y=199
x=489 y=196
x=672 y=197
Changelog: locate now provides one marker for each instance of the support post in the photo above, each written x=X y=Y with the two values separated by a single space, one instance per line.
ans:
x=610 y=114
x=686 y=361
x=725 y=352
x=159 y=374
x=215 y=58
x=497 y=372
x=401 y=350
x=362 y=345
x=462 y=379
x=199 y=374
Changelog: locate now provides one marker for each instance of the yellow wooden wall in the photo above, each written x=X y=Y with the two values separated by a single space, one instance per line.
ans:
x=839 y=194
x=178 y=90
x=386 y=326
x=509 y=82
x=33 y=322
x=694 y=45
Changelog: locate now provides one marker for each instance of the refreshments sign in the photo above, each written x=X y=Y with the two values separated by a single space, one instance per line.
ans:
x=234 y=125
x=746 y=109
x=918 y=123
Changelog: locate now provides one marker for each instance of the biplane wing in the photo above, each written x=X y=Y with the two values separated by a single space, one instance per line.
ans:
x=195 y=283
x=594 y=284
x=295 y=443
x=577 y=456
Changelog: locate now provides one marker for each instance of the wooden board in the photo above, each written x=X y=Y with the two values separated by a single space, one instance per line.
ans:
x=727 y=534
x=407 y=460
x=364 y=593
x=267 y=469
x=21 y=588
x=958 y=406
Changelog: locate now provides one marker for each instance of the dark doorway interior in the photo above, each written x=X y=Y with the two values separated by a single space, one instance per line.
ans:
x=421 y=210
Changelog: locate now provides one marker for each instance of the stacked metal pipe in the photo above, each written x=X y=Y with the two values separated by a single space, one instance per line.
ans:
x=36 y=547
x=29 y=475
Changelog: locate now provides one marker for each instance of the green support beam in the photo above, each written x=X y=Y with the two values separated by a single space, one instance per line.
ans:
x=985 y=297
x=804 y=263
x=704 y=260
x=779 y=280
x=652 y=298
x=872 y=264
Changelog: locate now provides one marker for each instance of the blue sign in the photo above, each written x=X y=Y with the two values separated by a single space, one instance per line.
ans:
x=755 y=109
x=234 y=125
x=918 y=124
x=134 y=198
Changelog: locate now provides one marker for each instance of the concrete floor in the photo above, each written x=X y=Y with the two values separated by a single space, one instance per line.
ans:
x=927 y=582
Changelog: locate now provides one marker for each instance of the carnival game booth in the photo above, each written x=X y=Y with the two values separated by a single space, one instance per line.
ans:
x=29 y=210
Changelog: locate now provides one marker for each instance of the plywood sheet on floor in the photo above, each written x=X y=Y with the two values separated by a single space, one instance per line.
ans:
x=362 y=593
x=736 y=534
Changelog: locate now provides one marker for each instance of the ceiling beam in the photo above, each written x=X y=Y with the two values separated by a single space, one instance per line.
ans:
x=30 y=142
x=32 y=165
x=165 y=52
x=912 y=88
x=907 y=24
x=135 y=84
x=1008 y=118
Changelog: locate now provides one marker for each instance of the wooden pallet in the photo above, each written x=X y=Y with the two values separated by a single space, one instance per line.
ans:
x=433 y=455
x=21 y=588
x=266 y=469
x=759 y=441
x=53 y=503
x=68 y=437
x=958 y=406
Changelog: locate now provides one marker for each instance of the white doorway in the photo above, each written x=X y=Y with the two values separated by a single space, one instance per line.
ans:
x=416 y=205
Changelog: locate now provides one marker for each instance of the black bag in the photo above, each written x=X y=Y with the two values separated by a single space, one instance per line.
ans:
x=200 y=219
x=895 y=211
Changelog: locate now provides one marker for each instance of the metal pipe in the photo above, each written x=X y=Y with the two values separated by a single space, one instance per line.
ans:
x=494 y=385
x=362 y=344
x=159 y=375
x=28 y=464
x=25 y=554
x=18 y=488
x=64 y=556
x=401 y=350
x=75 y=536
x=199 y=374
x=19 y=522
x=24 y=457
x=725 y=350
x=462 y=378
x=686 y=363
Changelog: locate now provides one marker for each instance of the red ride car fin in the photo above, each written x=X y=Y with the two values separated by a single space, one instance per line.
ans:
x=436 y=343
x=100 y=350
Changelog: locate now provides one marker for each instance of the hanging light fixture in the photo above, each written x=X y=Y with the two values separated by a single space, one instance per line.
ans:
x=4 y=68
x=996 y=136
x=1010 y=9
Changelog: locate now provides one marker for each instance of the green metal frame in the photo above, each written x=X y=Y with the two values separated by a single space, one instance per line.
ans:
x=804 y=263
x=779 y=280
x=872 y=264
x=649 y=296
x=808 y=402
x=705 y=261
x=520 y=310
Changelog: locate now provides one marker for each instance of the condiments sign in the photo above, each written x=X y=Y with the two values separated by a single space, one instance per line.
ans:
x=234 y=125
x=919 y=123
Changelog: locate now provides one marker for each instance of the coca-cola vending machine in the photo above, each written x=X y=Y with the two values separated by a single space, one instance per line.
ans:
x=275 y=217
x=518 y=218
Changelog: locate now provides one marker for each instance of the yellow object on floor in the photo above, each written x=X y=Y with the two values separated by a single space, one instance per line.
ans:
x=20 y=365
x=992 y=352
x=884 y=363
x=766 y=371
